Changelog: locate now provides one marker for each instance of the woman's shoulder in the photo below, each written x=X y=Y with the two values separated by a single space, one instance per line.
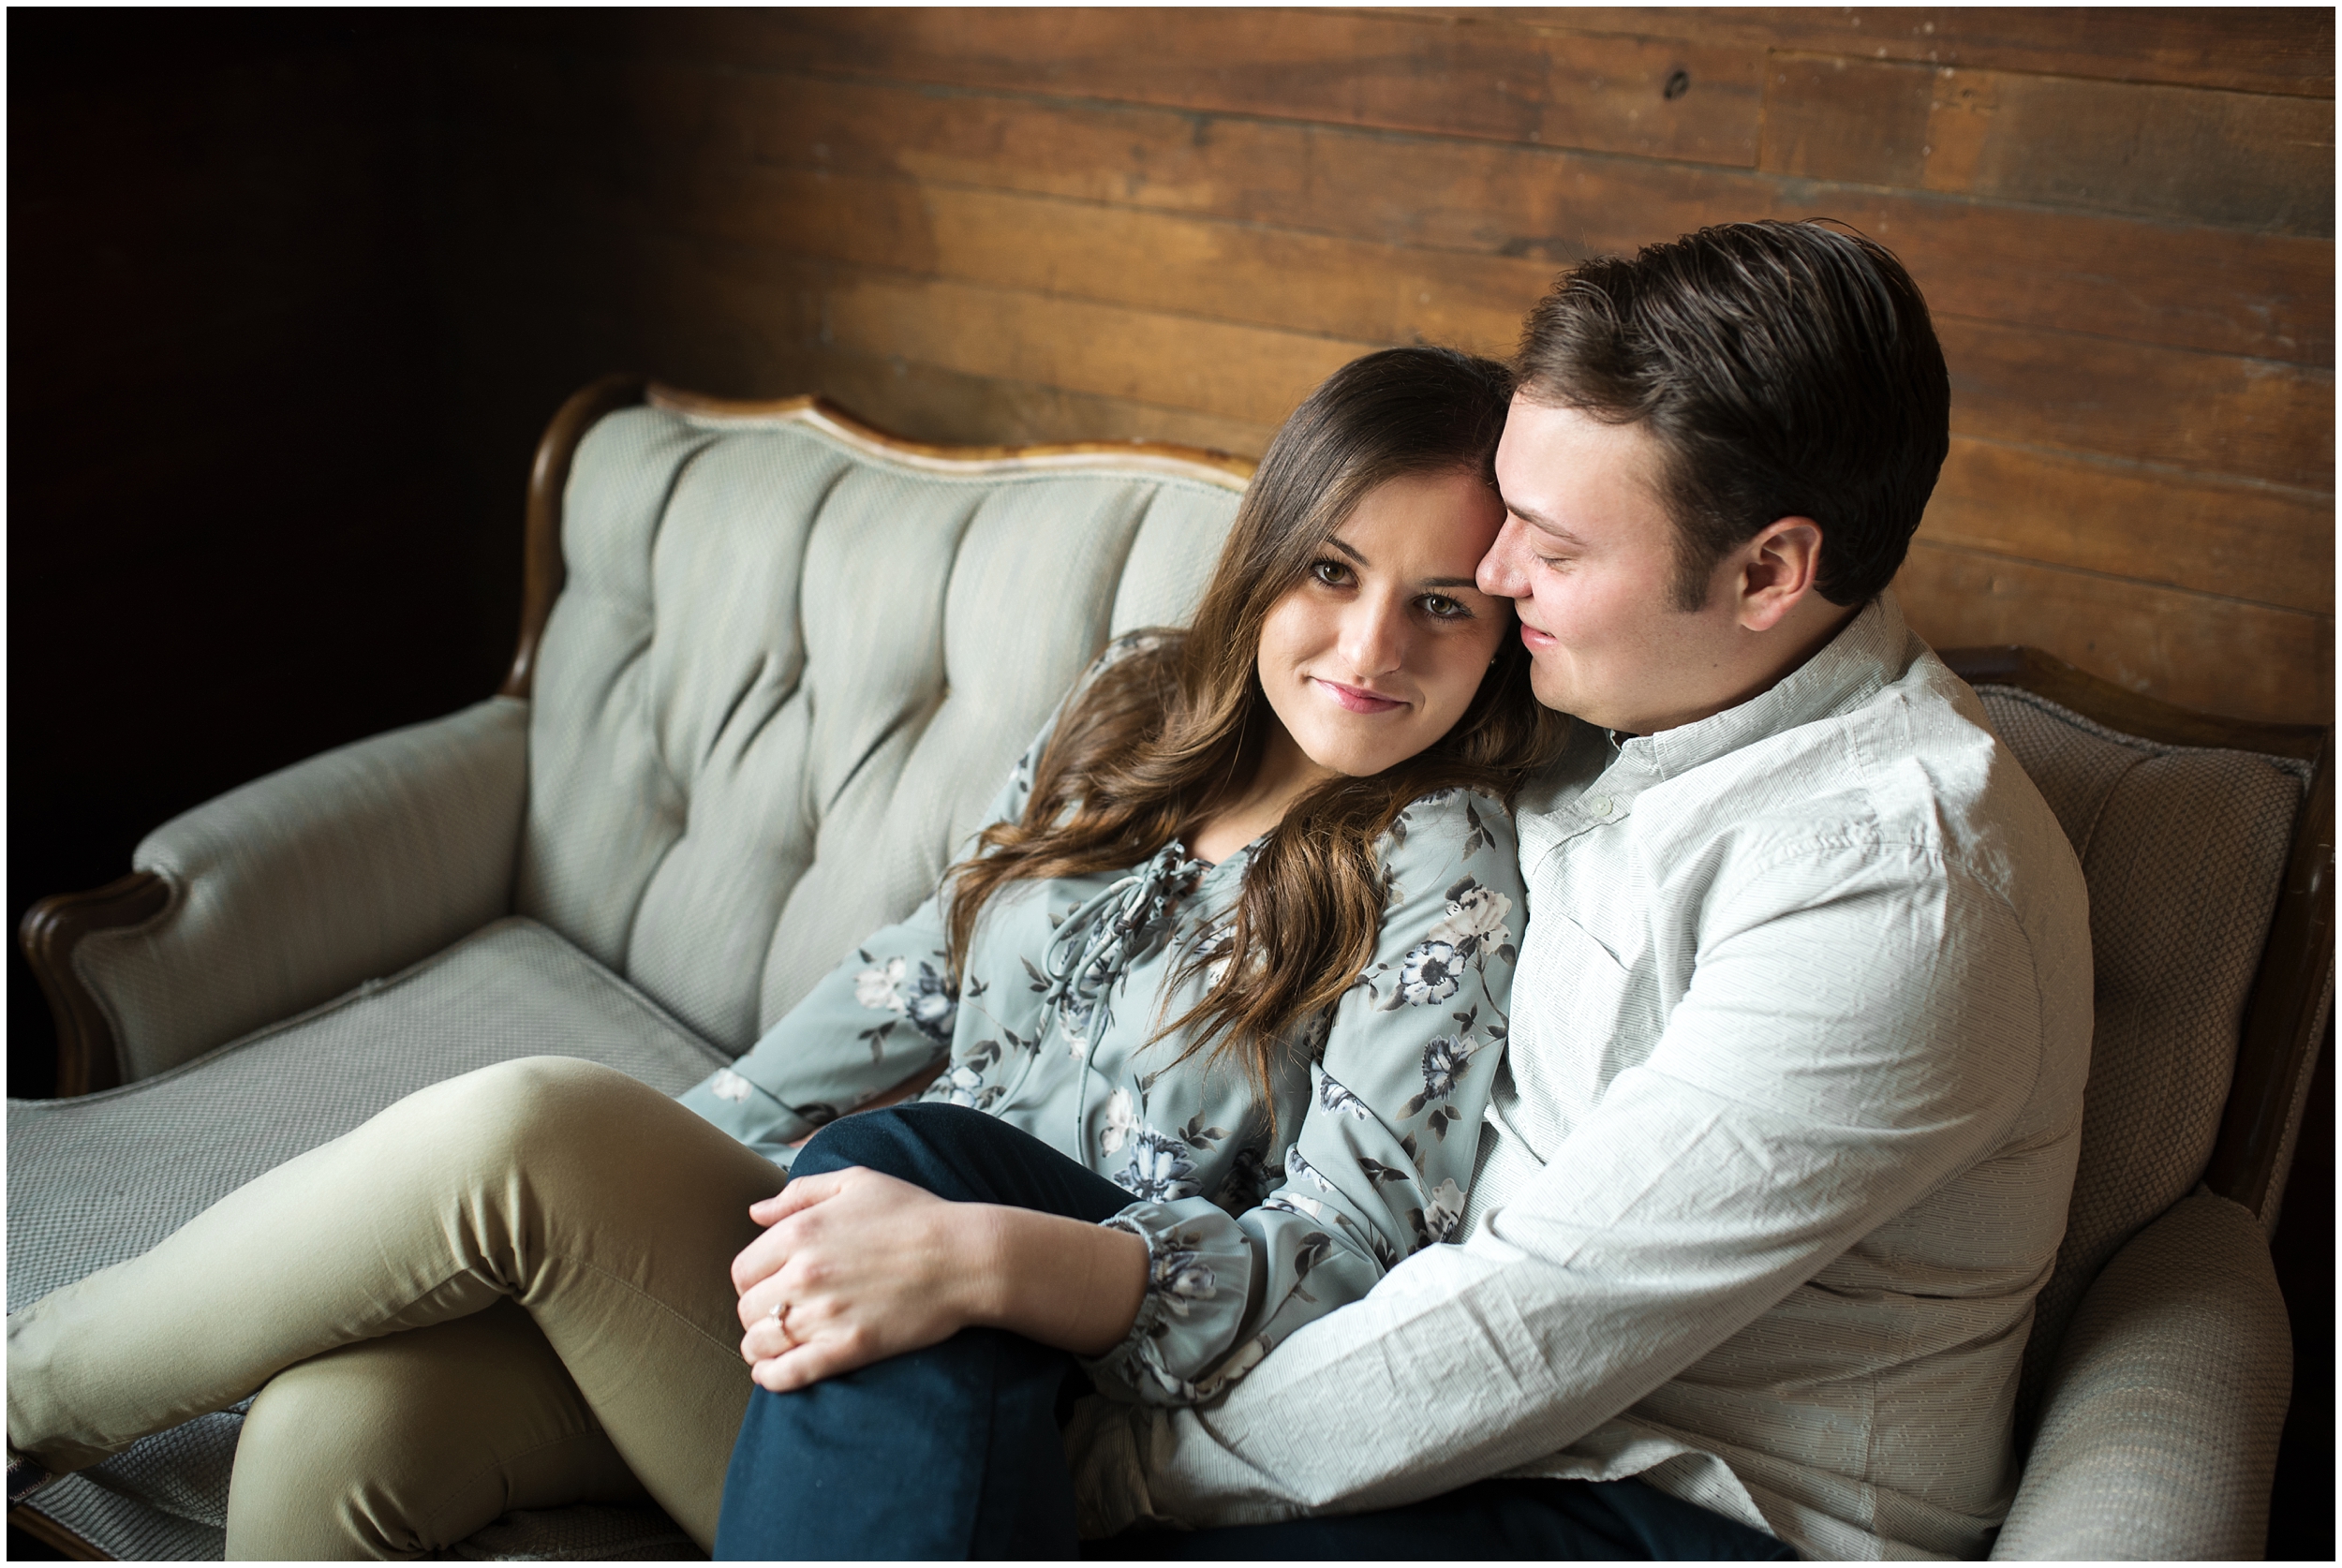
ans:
x=1451 y=878
x=1459 y=823
x=1447 y=844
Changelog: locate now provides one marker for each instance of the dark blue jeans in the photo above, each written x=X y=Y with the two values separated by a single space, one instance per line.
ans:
x=952 y=1451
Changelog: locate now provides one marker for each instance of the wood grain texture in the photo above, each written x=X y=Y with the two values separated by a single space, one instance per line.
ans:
x=1243 y=373
x=543 y=569
x=2221 y=655
x=2250 y=48
x=2184 y=155
x=2213 y=413
x=1479 y=78
x=89 y=1057
x=930 y=404
x=975 y=459
x=736 y=323
x=927 y=403
x=2252 y=541
x=2264 y=296
x=2150 y=718
x=1012 y=226
x=2290 y=997
x=726 y=315
x=2202 y=413
x=1169 y=263
x=68 y=1543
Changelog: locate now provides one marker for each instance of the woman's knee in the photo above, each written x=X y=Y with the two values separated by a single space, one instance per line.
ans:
x=535 y=1106
x=513 y=1093
x=921 y=1144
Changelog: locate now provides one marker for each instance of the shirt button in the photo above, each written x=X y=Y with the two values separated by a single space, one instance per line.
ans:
x=1599 y=806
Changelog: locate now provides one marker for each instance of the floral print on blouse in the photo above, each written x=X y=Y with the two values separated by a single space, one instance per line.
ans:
x=1248 y=1236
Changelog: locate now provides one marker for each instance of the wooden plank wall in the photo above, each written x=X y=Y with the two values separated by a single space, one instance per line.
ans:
x=1019 y=225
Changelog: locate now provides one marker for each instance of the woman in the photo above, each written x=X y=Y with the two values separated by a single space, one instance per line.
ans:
x=1239 y=914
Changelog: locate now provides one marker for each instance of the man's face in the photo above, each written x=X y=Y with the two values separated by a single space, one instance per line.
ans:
x=1588 y=554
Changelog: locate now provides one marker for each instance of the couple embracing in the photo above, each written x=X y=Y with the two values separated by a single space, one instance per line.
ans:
x=1544 y=1025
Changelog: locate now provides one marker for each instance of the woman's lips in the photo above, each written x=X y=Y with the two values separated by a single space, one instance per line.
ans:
x=1356 y=701
x=1533 y=640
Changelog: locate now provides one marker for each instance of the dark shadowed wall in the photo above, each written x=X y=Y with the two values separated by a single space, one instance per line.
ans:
x=237 y=534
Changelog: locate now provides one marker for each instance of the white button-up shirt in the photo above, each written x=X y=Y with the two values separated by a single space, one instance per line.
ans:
x=1778 y=1159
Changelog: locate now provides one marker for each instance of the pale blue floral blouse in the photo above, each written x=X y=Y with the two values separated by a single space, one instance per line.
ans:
x=1250 y=1235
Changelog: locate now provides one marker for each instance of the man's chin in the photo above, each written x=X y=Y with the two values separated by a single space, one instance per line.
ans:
x=1553 y=691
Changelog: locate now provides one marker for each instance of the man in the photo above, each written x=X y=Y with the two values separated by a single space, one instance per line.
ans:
x=1792 y=1101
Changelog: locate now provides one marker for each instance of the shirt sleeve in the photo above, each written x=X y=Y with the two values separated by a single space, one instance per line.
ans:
x=885 y=1013
x=1380 y=1164
x=1777 y=1122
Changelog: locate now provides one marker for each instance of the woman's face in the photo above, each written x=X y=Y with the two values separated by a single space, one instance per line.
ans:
x=1379 y=649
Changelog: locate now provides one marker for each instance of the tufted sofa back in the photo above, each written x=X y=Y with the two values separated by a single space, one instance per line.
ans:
x=789 y=668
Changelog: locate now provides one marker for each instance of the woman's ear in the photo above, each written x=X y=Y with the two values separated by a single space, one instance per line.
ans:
x=1779 y=567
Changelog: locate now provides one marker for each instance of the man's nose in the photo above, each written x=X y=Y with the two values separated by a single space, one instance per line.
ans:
x=1499 y=573
x=1374 y=635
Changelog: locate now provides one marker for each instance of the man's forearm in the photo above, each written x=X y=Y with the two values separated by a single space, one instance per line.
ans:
x=1669 y=1221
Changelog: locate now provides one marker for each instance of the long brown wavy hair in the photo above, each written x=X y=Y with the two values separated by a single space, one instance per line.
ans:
x=1171 y=734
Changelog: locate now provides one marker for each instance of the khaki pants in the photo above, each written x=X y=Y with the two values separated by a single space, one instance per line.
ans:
x=511 y=1289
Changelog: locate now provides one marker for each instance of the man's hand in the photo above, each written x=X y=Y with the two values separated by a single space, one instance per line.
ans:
x=866 y=1266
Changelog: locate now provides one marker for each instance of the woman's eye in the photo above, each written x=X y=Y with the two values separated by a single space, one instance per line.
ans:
x=1334 y=574
x=1440 y=607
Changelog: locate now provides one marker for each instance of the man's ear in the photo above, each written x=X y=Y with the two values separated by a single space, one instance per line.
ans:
x=1778 y=569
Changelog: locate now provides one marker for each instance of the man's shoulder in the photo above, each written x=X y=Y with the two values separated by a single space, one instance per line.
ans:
x=1935 y=757
x=1910 y=773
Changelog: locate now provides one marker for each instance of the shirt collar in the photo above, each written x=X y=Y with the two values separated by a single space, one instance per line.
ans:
x=1868 y=653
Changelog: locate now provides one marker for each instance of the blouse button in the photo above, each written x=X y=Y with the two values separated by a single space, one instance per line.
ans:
x=1599 y=806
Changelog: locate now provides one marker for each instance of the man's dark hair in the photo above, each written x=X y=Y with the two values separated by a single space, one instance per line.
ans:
x=1786 y=369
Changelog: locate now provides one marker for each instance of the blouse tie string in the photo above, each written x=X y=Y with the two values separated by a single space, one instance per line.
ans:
x=1095 y=944
x=1114 y=930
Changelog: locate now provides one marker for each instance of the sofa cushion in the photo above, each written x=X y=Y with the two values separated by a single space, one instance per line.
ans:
x=102 y=1177
x=787 y=671
x=2182 y=848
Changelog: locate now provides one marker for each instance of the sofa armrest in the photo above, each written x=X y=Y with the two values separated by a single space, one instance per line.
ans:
x=2160 y=1424
x=295 y=887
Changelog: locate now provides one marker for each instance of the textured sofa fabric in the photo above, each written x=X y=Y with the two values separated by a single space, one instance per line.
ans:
x=102 y=1177
x=2162 y=1409
x=2182 y=848
x=783 y=681
x=295 y=887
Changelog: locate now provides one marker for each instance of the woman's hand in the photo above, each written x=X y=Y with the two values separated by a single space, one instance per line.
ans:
x=866 y=1265
x=870 y=1266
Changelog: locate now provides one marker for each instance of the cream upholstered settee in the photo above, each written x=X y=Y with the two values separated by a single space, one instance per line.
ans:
x=772 y=664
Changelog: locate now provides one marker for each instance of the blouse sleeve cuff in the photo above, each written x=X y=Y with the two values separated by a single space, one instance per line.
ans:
x=1199 y=1269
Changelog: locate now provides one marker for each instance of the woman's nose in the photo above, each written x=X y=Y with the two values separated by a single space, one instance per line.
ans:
x=1375 y=636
